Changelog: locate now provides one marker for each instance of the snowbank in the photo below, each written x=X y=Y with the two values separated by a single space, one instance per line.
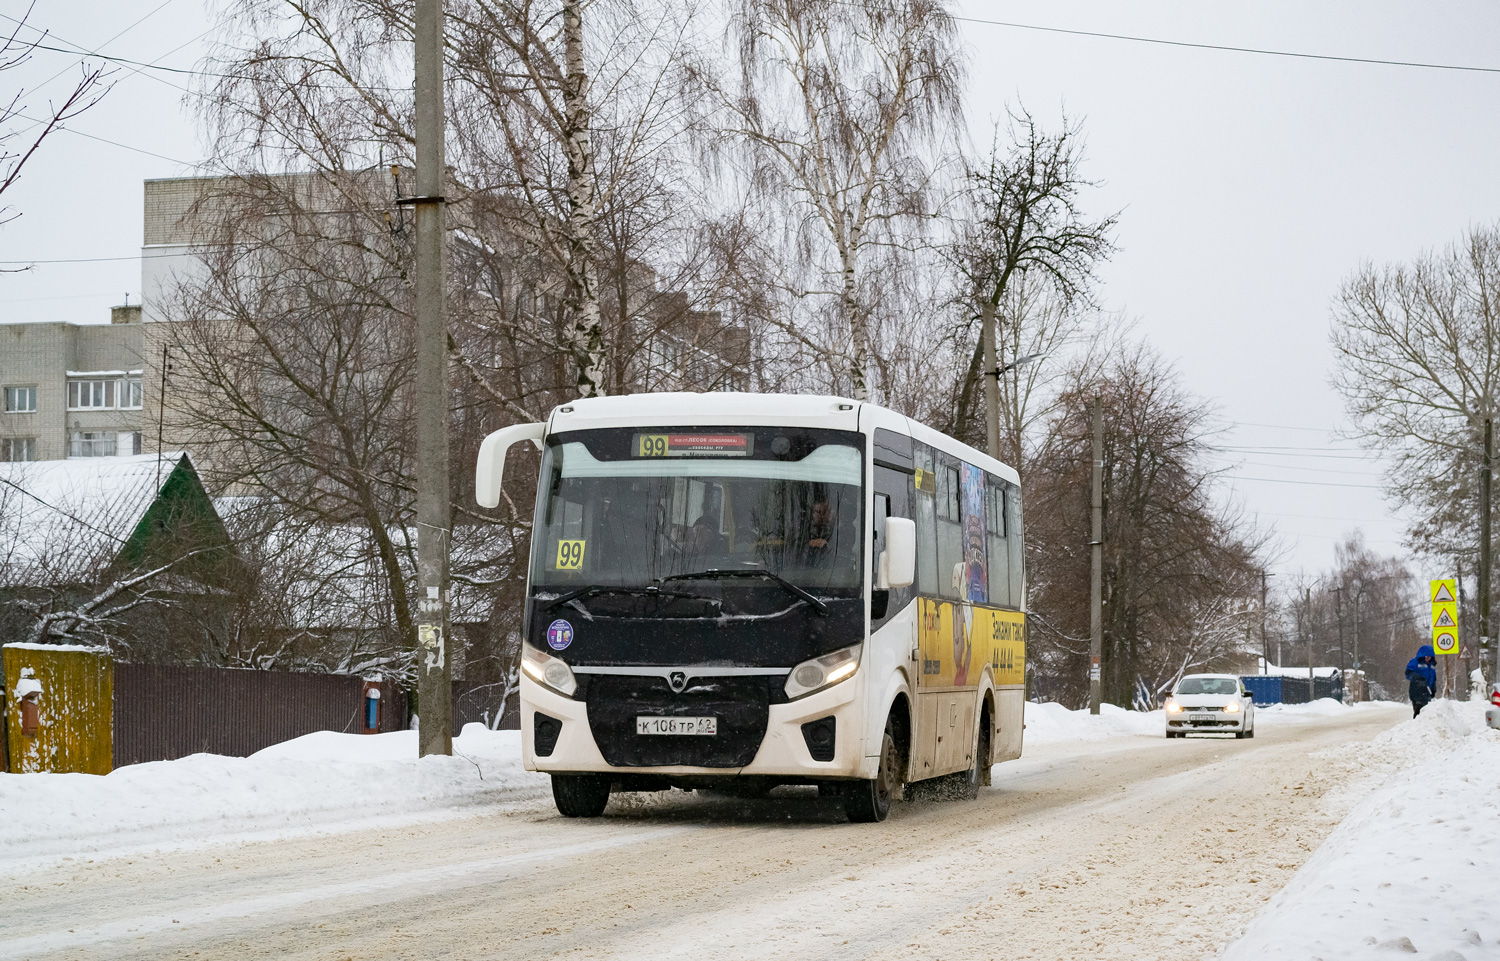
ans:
x=1050 y=723
x=1411 y=870
x=306 y=784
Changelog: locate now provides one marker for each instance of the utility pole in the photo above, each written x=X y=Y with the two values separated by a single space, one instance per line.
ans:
x=1338 y=613
x=1485 y=471
x=1359 y=677
x=1311 y=691
x=991 y=380
x=434 y=689
x=1096 y=552
x=1265 y=652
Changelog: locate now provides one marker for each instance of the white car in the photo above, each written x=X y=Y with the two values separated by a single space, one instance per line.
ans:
x=1492 y=715
x=1210 y=704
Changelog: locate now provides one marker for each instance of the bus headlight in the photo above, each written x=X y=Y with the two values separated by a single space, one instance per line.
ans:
x=821 y=672
x=548 y=670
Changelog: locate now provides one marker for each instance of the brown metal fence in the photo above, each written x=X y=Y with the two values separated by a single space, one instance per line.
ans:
x=161 y=713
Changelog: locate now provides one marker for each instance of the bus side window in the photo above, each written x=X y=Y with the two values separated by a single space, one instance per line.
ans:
x=924 y=487
x=950 y=547
x=995 y=547
x=1013 y=530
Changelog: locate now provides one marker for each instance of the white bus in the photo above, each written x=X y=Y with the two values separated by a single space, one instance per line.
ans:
x=739 y=591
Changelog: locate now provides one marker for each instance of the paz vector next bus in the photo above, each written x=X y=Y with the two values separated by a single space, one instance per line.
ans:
x=739 y=591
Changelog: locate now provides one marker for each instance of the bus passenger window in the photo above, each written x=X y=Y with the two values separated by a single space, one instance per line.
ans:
x=1013 y=528
x=950 y=546
x=924 y=485
x=995 y=546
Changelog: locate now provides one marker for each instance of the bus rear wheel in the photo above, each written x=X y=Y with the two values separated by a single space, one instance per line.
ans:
x=580 y=795
x=870 y=801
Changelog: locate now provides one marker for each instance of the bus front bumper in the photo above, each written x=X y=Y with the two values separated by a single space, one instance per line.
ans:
x=783 y=753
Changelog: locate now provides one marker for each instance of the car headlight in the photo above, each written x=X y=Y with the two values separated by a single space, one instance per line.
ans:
x=548 y=670
x=1231 y=707
x=1173 y=707
x=821 y=672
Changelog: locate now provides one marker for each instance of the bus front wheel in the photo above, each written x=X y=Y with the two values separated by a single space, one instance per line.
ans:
x=869 y=801
x=580 y=795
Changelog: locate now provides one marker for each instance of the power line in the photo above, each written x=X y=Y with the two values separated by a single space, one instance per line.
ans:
x=1227 y=48
x=1278 y=480
x=114 y=143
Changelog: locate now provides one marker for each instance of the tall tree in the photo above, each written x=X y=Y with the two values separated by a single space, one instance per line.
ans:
x=1418 y=353
x=1180 y=574
x=840 y=105
x=1022 y=222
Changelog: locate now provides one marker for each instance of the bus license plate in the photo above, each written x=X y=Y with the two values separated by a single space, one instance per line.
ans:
x=676 y=725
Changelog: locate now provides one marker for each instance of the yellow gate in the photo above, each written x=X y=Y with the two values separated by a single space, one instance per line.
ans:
x=68 y=725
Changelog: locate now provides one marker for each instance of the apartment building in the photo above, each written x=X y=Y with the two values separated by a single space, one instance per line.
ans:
x=73 y=390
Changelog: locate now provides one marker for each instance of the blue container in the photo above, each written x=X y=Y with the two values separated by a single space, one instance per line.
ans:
x=1265 y=690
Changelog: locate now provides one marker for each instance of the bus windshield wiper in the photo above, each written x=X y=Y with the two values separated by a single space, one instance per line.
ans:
x=714 y=574
x=596 y=589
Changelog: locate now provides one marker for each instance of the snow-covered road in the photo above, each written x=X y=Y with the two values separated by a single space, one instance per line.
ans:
x=1127 y=847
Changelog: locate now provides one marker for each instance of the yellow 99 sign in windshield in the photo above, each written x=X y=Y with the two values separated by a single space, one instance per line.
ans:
x=570 y=555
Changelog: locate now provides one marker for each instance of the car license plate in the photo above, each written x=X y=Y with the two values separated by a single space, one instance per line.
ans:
x=676 y=725
x=1195 y=718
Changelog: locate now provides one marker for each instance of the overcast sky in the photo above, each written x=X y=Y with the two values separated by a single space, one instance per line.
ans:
x=1250 y=186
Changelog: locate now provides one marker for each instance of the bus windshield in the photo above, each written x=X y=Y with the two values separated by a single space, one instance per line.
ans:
x=642 y=507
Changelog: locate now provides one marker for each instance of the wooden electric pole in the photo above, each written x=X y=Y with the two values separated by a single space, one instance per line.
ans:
x=434 y=689
x=991 y=381
x=1486 y=640
x=1096 y=551
x=1311 y=690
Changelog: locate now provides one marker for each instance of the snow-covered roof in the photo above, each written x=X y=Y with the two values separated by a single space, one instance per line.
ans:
x=1273 y=670
x=60 y=520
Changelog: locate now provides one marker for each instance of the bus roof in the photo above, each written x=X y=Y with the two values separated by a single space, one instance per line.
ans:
x=739 y=408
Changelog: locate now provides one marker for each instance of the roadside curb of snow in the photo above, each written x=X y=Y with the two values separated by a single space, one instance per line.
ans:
x=1409 y=869
x=324 y=781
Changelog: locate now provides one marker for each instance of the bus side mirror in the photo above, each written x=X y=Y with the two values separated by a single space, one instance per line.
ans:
x=490 y=470
x=900 y=551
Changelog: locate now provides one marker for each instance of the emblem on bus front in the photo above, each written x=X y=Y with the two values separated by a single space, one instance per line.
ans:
x=677 y=680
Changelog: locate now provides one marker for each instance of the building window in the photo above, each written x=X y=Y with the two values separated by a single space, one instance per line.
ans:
x=92 y=443
x=14 y=449
x=90 y=394
x=130 y=393
x=99 y=394
x=20 y=400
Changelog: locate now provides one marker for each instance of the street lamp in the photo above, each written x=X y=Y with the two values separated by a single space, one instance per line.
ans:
x=992 y=396
x=1018 y=362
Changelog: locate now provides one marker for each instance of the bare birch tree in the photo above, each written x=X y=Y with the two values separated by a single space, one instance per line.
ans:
x=842 y=108
x=1418 y=364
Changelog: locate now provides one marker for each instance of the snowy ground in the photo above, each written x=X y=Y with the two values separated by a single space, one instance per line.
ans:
x=1104 y=841
x=333 y=781
x=1414 y=868
x=323 y=781
x=330 y=781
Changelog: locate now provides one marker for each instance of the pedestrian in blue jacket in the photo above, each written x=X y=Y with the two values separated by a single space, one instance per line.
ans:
x=1421 y=677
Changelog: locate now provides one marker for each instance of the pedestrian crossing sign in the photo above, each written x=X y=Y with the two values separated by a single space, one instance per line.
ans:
x=1444 y=597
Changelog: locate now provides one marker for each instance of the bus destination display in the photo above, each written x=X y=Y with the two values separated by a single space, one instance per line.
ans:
x=693 y=445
